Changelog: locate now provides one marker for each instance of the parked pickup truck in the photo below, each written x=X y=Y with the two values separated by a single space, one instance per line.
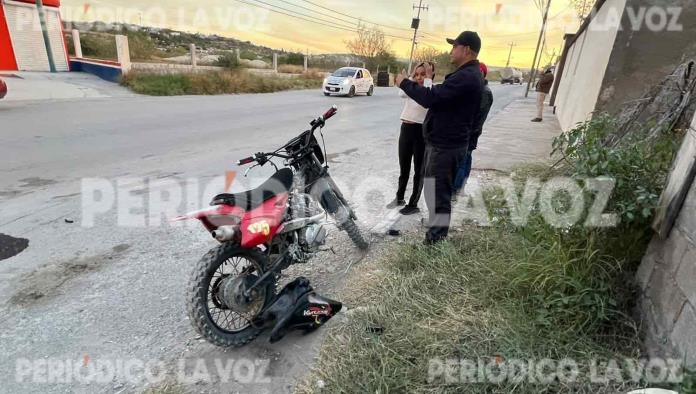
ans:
x=511 y=75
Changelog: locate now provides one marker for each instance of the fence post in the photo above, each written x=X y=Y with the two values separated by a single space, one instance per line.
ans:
x=123 y=53
x=236 y=51
x=77 y=43
x=194 y=61
x=305 y=64
x=275 y=62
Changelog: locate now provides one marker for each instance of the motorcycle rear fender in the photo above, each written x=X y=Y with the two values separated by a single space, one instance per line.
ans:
x=257 y=226
x=216 y=216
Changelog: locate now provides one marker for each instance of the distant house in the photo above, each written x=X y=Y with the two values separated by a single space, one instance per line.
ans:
x=22 y=45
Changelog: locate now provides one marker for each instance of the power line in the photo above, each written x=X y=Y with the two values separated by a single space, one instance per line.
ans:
x=307 y=18
x=354 y=17
x=304 y=15
x=317 y=12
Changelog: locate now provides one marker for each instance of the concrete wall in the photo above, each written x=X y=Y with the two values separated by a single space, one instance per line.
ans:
x=109 y=71
x=643 y=57
x=667 y=281
x=586 y=65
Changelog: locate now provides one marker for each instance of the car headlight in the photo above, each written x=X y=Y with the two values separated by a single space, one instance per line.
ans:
x=346 y=81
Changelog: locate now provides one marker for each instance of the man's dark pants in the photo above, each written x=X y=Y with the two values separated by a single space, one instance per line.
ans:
x=440 y=171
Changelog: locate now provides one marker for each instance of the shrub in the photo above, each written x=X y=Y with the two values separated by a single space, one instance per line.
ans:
x=290 y=69
x=247 y=54
x=638 y=164
x=226 y=82
x=227 y=60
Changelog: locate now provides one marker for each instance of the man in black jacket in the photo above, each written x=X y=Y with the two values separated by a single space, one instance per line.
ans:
x=452 y=110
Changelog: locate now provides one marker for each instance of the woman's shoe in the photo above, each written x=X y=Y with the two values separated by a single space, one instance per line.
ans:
x=396 y=203
x=409 y=210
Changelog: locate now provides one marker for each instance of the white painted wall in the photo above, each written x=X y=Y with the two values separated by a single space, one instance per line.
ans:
x=586 y=64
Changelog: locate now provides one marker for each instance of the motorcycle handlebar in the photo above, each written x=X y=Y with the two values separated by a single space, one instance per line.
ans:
x=261 y=158
x=331 y=112
x=246 y=160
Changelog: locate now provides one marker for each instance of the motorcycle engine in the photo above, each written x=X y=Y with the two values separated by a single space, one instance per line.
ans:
x=315 y=236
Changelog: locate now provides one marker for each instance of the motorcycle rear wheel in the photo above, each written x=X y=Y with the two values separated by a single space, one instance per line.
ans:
x=211 y=318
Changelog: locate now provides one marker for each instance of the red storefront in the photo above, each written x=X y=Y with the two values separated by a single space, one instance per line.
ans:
x=22 y=45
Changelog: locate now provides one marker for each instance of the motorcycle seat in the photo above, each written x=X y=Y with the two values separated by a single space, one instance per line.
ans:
x=279 y=183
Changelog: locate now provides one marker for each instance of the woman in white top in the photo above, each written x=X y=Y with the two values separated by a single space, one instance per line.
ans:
x=411 y=146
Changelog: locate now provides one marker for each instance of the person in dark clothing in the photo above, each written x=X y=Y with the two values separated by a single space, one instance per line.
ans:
x=452 y=109
x=543 y=87
x=486 y=102
x=411 y=146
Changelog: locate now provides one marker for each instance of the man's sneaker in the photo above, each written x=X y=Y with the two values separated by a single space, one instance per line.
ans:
x=409 y=210
x=537 y=120
x=396 y=203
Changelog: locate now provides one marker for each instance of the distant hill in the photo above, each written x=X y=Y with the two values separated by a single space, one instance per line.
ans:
x=168 y=43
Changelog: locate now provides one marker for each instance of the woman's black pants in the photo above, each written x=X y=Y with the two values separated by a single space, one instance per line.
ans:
x=411 y=147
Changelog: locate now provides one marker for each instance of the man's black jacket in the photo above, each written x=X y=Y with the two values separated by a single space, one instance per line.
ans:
x=452 y=106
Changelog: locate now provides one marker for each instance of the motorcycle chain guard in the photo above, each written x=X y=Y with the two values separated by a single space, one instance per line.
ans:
x=297 y=306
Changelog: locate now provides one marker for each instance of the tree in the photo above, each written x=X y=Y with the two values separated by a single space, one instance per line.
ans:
x=369 y=43
x=442 y=61
x=383 y=60
x=582 y=7
x=427 y=54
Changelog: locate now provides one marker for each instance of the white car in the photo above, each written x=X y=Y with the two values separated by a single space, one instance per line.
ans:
x=348 y=81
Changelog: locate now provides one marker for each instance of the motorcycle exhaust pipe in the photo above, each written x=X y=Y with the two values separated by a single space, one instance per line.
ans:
x=226 y=233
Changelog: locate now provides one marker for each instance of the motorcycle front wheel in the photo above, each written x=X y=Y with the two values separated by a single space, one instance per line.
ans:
x=343 y=216
x=220 y=270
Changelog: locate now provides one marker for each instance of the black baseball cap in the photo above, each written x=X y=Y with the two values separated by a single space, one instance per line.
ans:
x=467 y=38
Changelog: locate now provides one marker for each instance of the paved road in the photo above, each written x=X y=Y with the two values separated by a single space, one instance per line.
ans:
x=112 y=292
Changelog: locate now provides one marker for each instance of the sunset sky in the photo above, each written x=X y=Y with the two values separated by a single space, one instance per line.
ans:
x=499 y=22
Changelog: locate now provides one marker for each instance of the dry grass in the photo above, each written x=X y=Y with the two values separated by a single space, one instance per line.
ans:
x=530 y=293
x=223 y=82
x=453 y=301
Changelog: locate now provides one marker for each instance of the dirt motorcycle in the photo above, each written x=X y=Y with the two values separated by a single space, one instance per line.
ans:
x=262 y=232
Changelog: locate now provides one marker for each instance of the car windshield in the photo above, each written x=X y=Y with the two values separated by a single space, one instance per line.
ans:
x=343 y=72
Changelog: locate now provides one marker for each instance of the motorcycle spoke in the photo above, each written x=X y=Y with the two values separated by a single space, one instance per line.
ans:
x=222 y=316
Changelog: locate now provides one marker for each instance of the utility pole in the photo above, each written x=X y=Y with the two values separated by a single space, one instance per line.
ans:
x=44 y=30
x=541 y=55
x=541 y=35
x=415 y=23
x=512 y=44
x=584 y=4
